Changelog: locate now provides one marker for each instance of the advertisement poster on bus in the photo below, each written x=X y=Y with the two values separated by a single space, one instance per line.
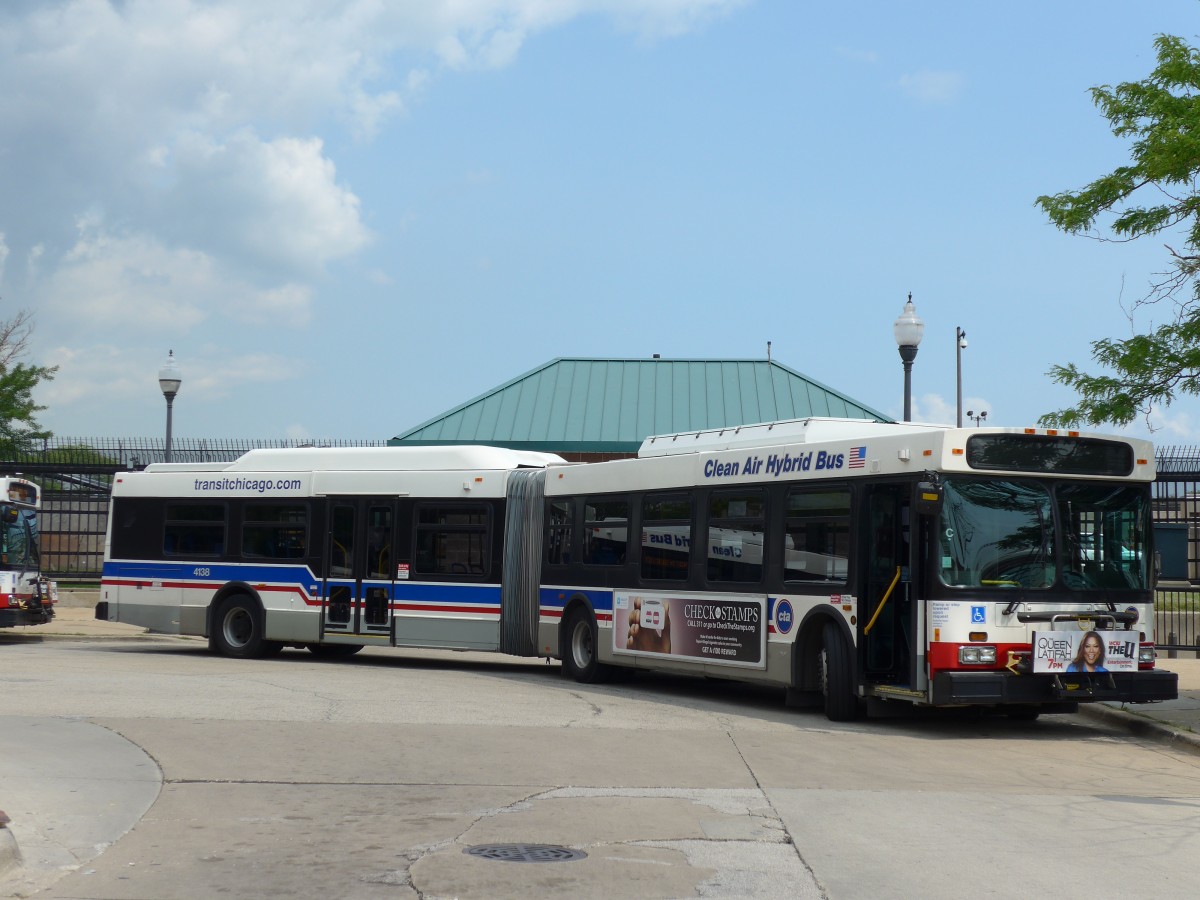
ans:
x=729 y=631
x=1085 y=651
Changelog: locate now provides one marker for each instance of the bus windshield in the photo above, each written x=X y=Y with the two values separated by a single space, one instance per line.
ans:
x=1032 y=535
x=18 y=538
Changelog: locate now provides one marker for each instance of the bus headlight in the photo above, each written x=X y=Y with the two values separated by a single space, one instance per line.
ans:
x=977 y=656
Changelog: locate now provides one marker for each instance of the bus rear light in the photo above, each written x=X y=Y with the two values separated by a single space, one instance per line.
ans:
x=977 y=655
x=1146 y=654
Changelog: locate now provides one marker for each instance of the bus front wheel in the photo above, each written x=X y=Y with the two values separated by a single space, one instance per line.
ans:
x=239 y=629
x=580 y=661
x=836 y=675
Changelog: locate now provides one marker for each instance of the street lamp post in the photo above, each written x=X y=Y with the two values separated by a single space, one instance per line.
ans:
x=908 y=329
x=169 y=381
x=977 y=418
x=960 y=338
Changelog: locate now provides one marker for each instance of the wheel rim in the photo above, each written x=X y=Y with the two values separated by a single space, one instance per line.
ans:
x=581 y=644
x=238 y=627
x=823 y=671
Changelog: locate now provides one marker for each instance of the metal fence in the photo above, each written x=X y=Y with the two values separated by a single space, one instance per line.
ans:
x=76 y=475
x=1177 y=526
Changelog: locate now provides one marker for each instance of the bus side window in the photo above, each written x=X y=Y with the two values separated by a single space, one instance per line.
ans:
x=605 y=531
x=452 y=539
x=560 y=528
x=817 y=535
x=666 y=537
x=736 y=520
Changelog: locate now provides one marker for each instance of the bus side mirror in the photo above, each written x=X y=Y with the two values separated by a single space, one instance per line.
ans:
x=929 y=498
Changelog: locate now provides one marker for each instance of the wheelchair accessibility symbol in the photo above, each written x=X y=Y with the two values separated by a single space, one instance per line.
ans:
x=978 y=615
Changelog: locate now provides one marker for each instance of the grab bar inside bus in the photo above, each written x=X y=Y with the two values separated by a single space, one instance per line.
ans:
x=883 y=602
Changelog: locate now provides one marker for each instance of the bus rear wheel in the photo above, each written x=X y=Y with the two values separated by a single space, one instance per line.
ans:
x=835 y=674
x=581 y=661
x=238 y=630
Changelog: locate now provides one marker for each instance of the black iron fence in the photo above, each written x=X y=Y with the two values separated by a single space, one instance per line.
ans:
x=1177 y=539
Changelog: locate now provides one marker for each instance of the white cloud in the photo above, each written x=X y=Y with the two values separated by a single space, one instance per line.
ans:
x=138 y=285
x=3 y=256
x=937 y=88
x=274 y=203
x=124 y=107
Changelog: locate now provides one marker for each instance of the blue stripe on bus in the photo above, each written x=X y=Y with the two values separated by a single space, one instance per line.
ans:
x=557 y=597
x=301 y=577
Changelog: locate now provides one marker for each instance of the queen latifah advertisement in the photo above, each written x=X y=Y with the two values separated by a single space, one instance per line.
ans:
x=1085 y=651
x=724 y=630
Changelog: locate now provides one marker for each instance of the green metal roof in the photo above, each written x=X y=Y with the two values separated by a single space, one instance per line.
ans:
x=611 y=405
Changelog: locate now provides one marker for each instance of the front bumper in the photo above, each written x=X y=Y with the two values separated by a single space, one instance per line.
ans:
x=992 y=688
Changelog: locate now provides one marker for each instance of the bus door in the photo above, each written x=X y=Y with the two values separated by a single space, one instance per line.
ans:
x=890 y=614
x=359 y=571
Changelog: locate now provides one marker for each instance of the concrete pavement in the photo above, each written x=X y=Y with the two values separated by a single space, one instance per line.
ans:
x=80 y=810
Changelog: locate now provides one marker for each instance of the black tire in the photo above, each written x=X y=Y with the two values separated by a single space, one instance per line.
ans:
x=333 y=651
x=579 y=658
x=836 y=675
x=238 y=630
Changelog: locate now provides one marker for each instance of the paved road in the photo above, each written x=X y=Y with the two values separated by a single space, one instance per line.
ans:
x=199 y=776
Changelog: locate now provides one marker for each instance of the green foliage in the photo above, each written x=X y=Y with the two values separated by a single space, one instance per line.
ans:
x=18 y=412
x=1155 y=194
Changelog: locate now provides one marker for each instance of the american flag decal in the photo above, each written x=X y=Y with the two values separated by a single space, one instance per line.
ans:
x=858 y=457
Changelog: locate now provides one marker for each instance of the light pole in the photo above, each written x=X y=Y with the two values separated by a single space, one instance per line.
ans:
x=960 y=337
x=908 y=329
x=169 y=380
x=978 y=418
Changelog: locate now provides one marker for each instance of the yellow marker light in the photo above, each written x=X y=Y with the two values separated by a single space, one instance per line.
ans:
x=978 y=635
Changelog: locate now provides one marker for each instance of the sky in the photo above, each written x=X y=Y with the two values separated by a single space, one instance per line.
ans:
x=346 y=217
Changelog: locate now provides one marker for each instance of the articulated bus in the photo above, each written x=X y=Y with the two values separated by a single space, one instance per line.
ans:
x=26 y=596
x=858 y=566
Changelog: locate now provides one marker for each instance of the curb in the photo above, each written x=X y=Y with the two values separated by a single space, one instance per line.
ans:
x=1143 y=726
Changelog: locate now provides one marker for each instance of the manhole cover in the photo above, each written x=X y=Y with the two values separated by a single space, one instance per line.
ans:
x=534 y=853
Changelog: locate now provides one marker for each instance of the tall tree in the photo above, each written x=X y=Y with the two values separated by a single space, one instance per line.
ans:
x=18 y=412
x=1156 y=193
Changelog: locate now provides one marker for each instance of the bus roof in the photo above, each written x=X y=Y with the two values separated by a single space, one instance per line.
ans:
x=371 y=459
x=766 y=434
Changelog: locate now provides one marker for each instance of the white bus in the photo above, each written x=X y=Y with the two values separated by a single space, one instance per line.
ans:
x=26 y=596
x=853 y=564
